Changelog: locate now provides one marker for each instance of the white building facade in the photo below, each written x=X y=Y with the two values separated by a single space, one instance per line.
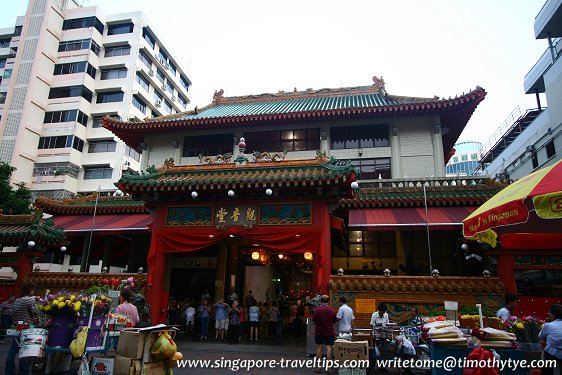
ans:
x=533 y=140
x=63 y=68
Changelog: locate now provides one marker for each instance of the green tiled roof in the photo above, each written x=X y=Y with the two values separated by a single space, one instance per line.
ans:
x=251 y=175
x=16 y=230
x=413 y=196
x=229 y=108
x=85 y=205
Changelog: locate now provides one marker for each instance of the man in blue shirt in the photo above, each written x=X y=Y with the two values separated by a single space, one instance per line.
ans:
x=552 y=333
x=221 y=322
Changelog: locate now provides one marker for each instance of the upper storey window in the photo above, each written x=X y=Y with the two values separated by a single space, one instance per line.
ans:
x=5 y=43
x=284 y=140
x=122 y=28
x=79 y=23
x=148 y=38
x=366 y=136
x=207 y=145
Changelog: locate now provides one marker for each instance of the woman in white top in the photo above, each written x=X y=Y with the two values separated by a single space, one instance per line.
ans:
x=380 y=317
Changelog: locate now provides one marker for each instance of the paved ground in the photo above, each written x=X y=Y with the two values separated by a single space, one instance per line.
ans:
x=290 y=349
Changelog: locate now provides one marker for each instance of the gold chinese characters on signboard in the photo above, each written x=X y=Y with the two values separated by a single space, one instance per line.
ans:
x=365 y=306
x=236 y=215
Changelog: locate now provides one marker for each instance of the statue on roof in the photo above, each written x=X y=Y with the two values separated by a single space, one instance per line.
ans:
x=378 y=84
x=217 y=96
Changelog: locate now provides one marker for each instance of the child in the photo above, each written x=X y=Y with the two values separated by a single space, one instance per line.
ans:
x=189 y=319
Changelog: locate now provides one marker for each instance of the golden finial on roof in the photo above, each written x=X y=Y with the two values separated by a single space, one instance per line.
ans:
x=217 y=96
x=378 y=84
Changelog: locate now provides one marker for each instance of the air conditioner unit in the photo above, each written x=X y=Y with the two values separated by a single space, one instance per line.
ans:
x=158 y=103
x=151 y=73
x=164 y=87
x=530 y=148
x=173 y=98
x=167 y=66
x=157 y=56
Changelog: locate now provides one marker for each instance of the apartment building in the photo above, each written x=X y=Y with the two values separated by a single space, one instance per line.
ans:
x=465 y=160
x=63 y=67
x=533 y=140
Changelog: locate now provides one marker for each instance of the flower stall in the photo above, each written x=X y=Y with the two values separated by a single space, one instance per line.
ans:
x=83 y=324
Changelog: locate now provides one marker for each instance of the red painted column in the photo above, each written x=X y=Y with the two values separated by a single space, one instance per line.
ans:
x=506 y=263
x=326 y=250
x=156 y=296
x=24 y=268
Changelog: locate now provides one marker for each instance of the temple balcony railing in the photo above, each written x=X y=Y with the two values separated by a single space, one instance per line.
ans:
x=424 y=181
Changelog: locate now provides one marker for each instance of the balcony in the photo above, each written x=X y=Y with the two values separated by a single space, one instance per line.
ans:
x=534 y=81
x=549 y=20
x=424 y=181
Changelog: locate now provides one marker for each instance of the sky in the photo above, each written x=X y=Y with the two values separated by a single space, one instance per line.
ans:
x=420 y=47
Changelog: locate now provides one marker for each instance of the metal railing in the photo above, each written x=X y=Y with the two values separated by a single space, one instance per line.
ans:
x=424 y=181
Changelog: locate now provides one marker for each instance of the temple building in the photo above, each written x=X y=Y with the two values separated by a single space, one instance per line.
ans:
x=278 y=192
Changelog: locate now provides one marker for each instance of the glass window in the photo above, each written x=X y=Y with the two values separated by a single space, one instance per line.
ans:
x=132 y=153
x=95 y=47
x=157 y=96
x=172 y=68
x=66 y=116
x=7 y=73
x=17 y=30
x=142 y=81
x=288 y=140
x=79 y=23
x=145 y=59
x=169 y=86
x=122 y=28
x=63 y=141
x=101 y=146
x=550 y=149
x=139 y=103
x=110 y=97
x=208 y=145
x=113 y=73
x=76 y=45
x=473 y=157
x=2 y=63
x=2 y=98
x=167 y=107
x=76 y=67
x=182 y=100
x=97 y=173
x=160 y=75
x=96 y=120
x=163 y=56
x=5 y=43
x=184 y=82
x=372 y=244
x=56 y=169
x=71 y=91
x=464 y=157
x=359 y=136
x=117 y=51
x=149 y=39
x=370 y=169
x=534 y=160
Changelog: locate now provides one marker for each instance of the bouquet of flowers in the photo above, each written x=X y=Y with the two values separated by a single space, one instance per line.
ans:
x=526 y=328
x=62 y=303
x=116 y=284
x=101 y=305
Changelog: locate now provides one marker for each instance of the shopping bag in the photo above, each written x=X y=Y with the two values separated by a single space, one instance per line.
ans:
x=407 y=346
x=78 y=345
x=164 y=347
x=480 y=354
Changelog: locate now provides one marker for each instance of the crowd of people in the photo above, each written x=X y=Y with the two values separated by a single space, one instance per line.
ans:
x=234 y=316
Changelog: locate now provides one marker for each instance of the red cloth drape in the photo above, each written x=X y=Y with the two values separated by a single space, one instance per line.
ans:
x=289 y=239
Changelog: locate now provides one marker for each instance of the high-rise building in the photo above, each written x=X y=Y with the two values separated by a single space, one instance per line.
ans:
x=465 y=160
x=63 y=67
x=533 y=140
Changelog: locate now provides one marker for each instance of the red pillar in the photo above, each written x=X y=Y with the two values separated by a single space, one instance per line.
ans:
x=326 y=251
x=506 y=263
x=24 y=268
x=156 y=296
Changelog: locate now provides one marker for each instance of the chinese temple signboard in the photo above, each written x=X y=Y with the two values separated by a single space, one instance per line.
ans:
x=240 y=215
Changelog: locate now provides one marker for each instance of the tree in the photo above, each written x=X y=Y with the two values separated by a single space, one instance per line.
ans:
x=13 y=202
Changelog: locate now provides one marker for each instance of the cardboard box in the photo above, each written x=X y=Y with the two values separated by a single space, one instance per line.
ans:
x=102 y=366
x=131 y=343
x=121 y=365
x=154 y=368
x=351 y=350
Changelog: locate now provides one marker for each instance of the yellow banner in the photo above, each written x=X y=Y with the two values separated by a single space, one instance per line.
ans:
x=365 y=306
x=549 y=206
x=489 y=236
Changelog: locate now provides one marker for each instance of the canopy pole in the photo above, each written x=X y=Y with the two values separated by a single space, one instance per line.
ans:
x=427 y=230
